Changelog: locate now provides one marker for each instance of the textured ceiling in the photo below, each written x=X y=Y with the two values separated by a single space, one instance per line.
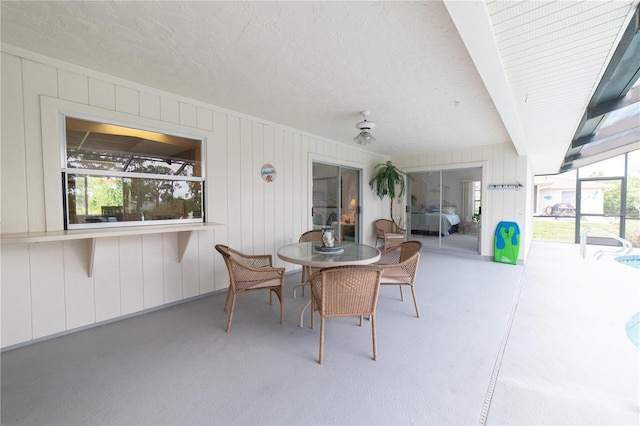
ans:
x=434 y=75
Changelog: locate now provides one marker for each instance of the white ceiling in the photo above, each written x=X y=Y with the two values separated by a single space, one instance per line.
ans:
x=435 y=75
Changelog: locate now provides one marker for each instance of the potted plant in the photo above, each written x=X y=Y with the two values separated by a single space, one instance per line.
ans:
x=386 y=180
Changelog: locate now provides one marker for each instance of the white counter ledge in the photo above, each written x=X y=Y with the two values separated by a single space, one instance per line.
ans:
x=92 y=235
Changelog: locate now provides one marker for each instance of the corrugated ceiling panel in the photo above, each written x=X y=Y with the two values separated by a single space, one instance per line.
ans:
x=553 y=52
x=551 y=36
x=545 y=14
x=525 y=72
x=564 y=54
x=555 y=15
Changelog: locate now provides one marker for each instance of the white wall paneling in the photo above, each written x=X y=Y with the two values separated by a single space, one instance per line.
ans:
x=207 y=279
x=102 y=94
x=188 y=115
x=37 y=80
x=169 y=110
x=73 y=87
x=279 y=228
x=46 y=266
x=287 y=169
x=131 y=274
x=269 y=192
x=107 y=279
x=258 y=188
x=127 y=100
x=80 y=305
x=12 y=145
x=153 y=273
x=190 y=268
x=45 y=286
x=16 y=295
x=150 y=105
x=172 y=273
x=234 y=185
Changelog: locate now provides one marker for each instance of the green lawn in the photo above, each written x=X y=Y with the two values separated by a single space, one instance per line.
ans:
x=563 y=229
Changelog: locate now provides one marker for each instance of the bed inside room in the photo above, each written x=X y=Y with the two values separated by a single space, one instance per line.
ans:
x=435 y=219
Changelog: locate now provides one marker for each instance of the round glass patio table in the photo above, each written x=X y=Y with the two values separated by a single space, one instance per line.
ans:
x=305 y=254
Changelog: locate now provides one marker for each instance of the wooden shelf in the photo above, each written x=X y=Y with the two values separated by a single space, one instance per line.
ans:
x=92 y=235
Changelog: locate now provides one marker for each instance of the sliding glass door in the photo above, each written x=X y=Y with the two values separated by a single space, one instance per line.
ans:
x=445 y=208
x=336 y=200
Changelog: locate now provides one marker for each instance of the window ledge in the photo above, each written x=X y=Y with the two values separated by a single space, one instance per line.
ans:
x=92 y=235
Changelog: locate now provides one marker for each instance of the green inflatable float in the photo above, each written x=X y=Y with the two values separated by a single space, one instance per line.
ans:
x=507 y=243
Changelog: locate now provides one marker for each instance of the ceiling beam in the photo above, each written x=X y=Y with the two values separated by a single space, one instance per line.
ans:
x=474 y=26
x=632 y=97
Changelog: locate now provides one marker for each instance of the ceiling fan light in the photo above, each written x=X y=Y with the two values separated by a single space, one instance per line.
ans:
x=365 y=125
x=364 y=138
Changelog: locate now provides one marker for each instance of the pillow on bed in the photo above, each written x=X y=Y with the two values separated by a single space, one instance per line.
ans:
x=436 y=209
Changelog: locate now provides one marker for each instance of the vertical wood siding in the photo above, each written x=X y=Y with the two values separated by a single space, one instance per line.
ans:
x=45 y=287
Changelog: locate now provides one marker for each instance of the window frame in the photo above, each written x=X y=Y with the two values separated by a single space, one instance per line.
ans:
x=66 y=171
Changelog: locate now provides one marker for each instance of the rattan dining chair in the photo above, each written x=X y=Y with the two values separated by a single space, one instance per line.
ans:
x=390 y=233
x=400 y=265
x=312 y=235
x=343 y=291
x=248 y=273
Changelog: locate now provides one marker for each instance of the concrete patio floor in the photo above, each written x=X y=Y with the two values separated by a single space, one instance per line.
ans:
x=542 y=343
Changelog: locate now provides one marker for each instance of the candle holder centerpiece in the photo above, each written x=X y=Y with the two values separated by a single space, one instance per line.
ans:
x=329 y=243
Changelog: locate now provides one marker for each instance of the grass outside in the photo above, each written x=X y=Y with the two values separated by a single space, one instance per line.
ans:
x=562 y=229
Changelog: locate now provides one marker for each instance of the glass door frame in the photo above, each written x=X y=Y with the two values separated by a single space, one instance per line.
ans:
x=621 y=216
x=347 y=210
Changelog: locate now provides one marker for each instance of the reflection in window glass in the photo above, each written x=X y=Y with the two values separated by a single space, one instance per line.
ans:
x=100 y=146
x=632 y=228
x=116 y=175
x=97 y=199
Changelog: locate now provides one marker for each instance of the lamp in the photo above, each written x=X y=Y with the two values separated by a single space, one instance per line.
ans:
x=364 y=137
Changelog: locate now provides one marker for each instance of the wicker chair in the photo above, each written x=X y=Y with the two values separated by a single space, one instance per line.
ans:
x=306 y=270
x=251 y=272
x=345 y=291
x=390 y=233
x=400 y=264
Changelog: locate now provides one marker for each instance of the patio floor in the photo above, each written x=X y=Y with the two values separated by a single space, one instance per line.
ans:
x=542 y=343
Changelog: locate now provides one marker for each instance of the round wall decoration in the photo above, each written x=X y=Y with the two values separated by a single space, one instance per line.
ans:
x=268 y=173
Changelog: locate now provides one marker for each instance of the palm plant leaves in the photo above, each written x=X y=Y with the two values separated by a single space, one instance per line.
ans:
x=385 y=181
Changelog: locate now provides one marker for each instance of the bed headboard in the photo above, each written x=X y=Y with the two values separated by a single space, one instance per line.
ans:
x=434 y=207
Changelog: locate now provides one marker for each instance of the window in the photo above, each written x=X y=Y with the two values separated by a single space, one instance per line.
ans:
x=477 y=198
x=118 y=176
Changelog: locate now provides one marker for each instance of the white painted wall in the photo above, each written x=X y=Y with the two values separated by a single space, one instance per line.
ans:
x=45 y=287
